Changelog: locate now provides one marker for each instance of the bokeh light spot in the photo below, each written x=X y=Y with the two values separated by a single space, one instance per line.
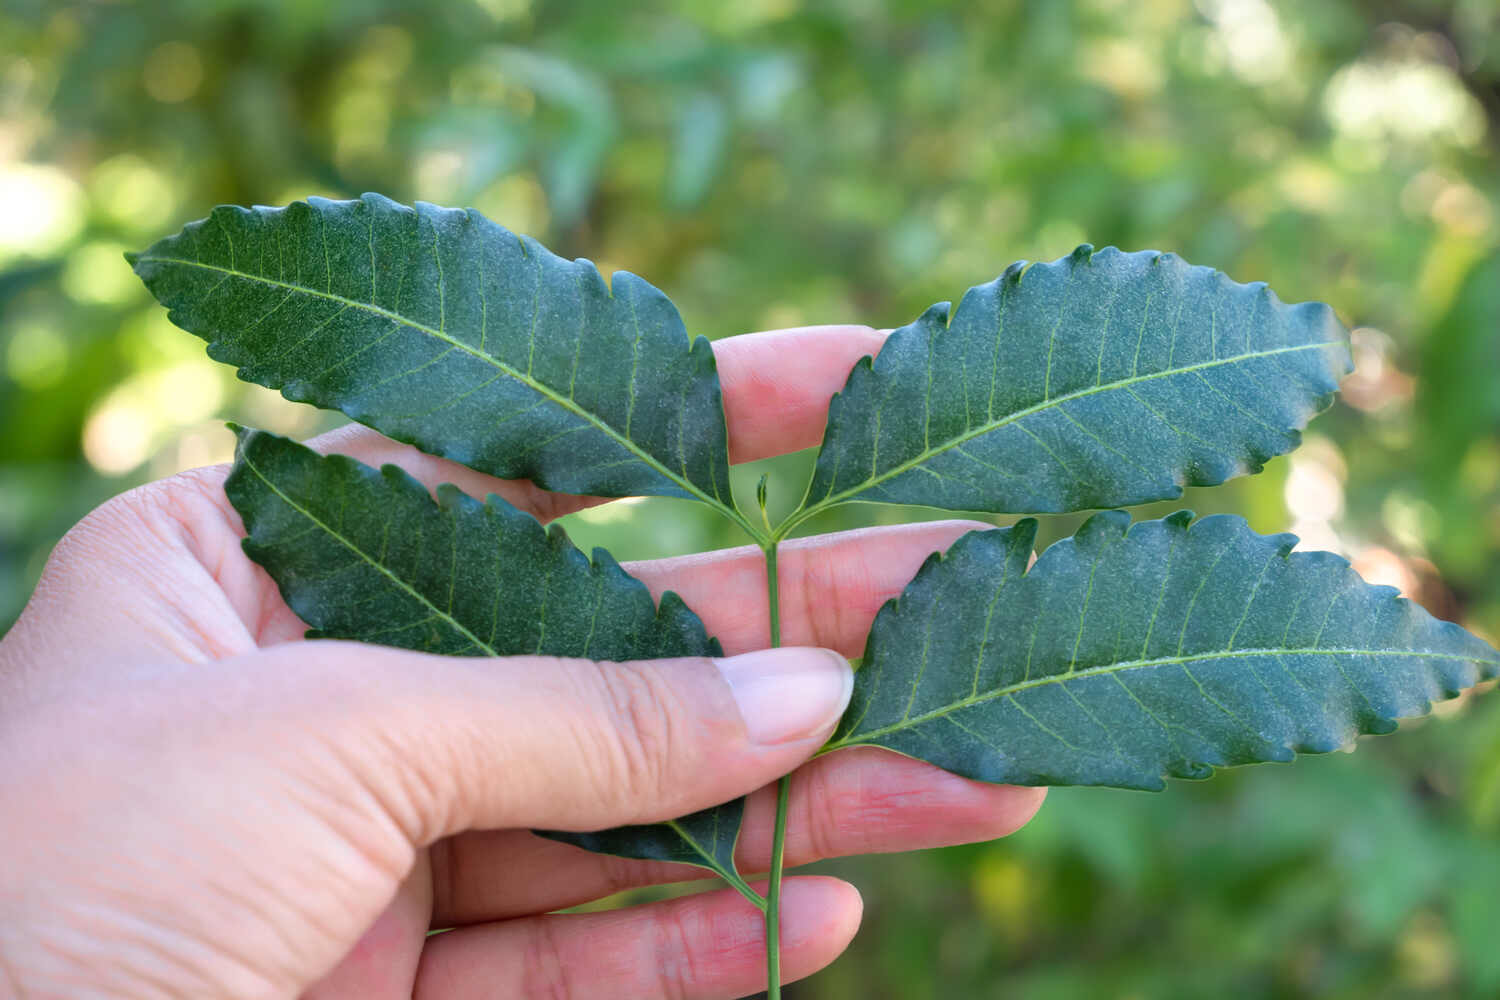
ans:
x=41 y=210
x=505 y=10
x=1314 y=493
x=125 y=429
x=97 y=274
x=117 y=437
x=516 y=202
x=173 y=72
x=439 y=175
x=1406 y=99
x=1254 y=44
x=36 y=357
x=132 y=193
x=1410 y=520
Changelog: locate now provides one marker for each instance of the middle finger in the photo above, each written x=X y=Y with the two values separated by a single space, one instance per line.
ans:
x=861 y=801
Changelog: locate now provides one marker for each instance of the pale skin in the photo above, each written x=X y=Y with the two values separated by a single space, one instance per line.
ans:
x=195 y=802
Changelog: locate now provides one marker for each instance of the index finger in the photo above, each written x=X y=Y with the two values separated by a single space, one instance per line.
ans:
x=776 y=386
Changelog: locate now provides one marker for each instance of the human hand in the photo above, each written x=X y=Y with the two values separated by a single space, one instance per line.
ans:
x=198 y=803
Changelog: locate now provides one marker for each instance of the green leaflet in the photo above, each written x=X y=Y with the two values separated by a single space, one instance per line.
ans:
x=442 y=329
x=1136 y=651
x=1100 y=380
x=367 y=555
x=711 y=834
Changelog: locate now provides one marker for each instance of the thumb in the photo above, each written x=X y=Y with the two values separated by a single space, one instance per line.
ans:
x=456 y=743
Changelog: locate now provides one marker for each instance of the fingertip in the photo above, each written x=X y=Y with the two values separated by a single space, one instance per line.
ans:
x=1025 y=804
x=777 y=384
x=819 y=917
x=868 y=800
x=708 y=945
x=966 y=524
x=789 y=693
x=374 y=449
x=981 y=811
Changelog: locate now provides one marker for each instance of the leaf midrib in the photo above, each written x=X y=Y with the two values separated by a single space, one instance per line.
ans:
x=402 y=584
x=984 y=428
x=709 y=858
x=440 y=335
x=1112 y=668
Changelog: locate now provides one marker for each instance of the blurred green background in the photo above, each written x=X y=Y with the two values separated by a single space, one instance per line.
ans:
x=777 y=162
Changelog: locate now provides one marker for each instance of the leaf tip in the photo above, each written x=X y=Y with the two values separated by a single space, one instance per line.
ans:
x=452 y=499
x=557 y=535
x=1284 y=542
x=1025 y=528
x=602 y=559
x=245 y=438
x=1023 y=540
x=939 y=314
x=1180 y=519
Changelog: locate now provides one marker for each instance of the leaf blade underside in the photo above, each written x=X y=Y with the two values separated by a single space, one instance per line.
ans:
x=460 y=577
x=444 y=330
x=1103 y=379
x=706 y=839
x=1134 y=652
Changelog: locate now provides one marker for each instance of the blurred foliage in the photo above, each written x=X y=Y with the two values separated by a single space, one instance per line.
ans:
x=778 y=162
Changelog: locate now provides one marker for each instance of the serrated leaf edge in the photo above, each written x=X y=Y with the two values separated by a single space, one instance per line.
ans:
x=447 y=495
x=1013 y=275
x=1183 y=520
x=680 y=480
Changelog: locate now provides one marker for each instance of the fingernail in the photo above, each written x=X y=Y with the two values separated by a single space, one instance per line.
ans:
x=790 y=693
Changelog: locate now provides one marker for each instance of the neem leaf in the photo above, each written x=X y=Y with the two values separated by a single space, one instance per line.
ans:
x=706 y=839
x=1100 y=380
x=368 y=555
x=1136 y=651
x=442 y=329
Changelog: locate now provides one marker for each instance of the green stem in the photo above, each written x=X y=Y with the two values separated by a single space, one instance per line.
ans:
x=783 y=789
x=773 y=598
x=773 y=892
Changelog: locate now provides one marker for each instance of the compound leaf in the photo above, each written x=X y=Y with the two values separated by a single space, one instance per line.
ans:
x=368 y=555
x=1134 y=652
x=1099 y=380
x=442 y=329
